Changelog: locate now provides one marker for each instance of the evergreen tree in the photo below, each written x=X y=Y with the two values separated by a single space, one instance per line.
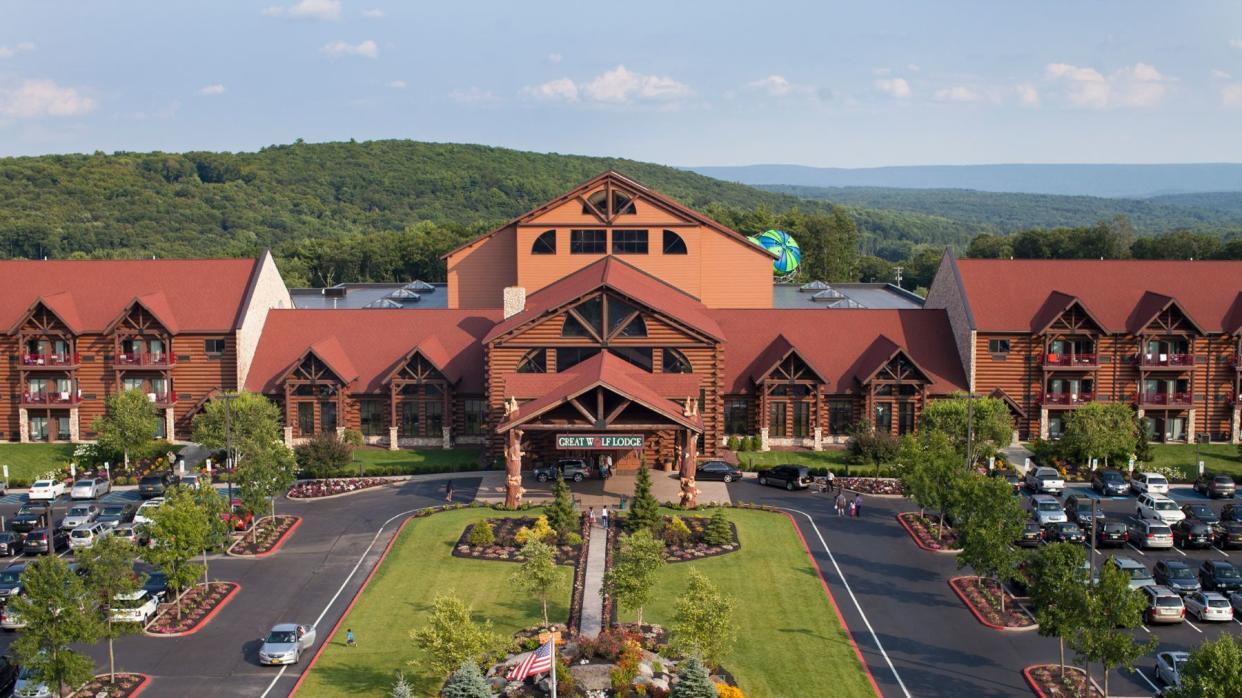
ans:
x=562 y=516
x=718 y=530
x=467 y=682
x=693 y=681
x=401 y=688
x=645 y=510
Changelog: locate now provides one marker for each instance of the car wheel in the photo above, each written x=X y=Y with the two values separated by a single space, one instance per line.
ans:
x=763 y=480
x=727 y=479
x=577 y=477
x=789 y=486
x=541 y=478
x=297 y=657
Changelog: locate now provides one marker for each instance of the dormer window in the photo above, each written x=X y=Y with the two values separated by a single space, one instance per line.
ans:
x=622 y=203
x=673 y=243
x=545 y=243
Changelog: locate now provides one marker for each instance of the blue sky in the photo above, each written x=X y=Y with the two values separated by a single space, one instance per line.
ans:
x=685 y=83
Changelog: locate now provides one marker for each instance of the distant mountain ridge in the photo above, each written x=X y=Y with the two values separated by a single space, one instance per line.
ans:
x=1104 y=180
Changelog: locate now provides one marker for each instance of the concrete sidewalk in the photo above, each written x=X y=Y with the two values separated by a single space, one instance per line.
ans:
x=593 y=583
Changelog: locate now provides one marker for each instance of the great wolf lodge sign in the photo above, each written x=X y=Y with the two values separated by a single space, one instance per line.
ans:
x=598 y=442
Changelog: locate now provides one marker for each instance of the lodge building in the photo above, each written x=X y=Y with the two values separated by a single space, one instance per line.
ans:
x=614 y=319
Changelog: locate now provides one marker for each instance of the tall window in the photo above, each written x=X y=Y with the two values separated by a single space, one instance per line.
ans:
x=676 y=362
x=639 y=356
x=629 y=242
x=408 y=417
x=673 y=244
x=588 y=241
x=776 y=419
x=372 y=414
x=801 y=419
x=534 y=361
x=306 y=418
x=476 y=416
x=736 y=415
x=567 y=358
x=327 y=417
x=435 y=418
x=38 y=428
x=545 y=243
x=884 y=417
x=598 y=203
x=905 y=418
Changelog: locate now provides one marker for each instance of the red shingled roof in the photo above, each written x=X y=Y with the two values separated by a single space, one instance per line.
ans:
x=674 y=386
x=839 y=344
x=375 y=341
x=199 y=295
x=1007 y=295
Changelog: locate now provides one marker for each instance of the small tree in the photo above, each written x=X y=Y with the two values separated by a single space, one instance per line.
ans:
x=58 y=614
x=1100 y=430
x=129 y=423
x=538 y=574
x=868 y=446
x=703 y=620
x=718 y=530
x=693 y=681
x=562 y=516
x=1058 y=591
x=216 y=510
x=990 y=430
x=253 y=422
x=1214 y=670
x=109 y=567
x=452 y=638
x=467 y=682
x=645 y=510
x=401 y=688
x=931 y=471
x=266 y=474
x=482 y=534
x=179 y=530
x=324 y=455
x=990 y=520
x=541 y=531
x=632 y=577
x=1112 y=608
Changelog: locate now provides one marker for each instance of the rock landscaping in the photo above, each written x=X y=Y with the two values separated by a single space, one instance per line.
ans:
x=1046 y=681
x=504 y=545
x=692 y=539
x=925 y=532
x=871 y=485
x=124 y=686
x=312 y=489
x=266 y=536
x=198 y=605
x=983 y=597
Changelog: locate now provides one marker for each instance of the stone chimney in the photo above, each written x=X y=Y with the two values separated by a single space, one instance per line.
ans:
x=514 y=300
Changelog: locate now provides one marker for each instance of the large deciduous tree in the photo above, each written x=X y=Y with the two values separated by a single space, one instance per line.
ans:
x=129 y=422
x=1214 y=670
x=989 y=519
x=109 y=568
x=252 y=422
x=58 y=613
x=992 y=427
x=1112 y=609
x=180 y=529
x=1058 y=585
x=268 y=472
x=1100 y=430
x=930 y=472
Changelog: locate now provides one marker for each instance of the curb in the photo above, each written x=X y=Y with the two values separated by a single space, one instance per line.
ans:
x=273 y=549
x=849 y=634
x=390 y=483
x=922 y=546
x=961 y=595
x=206 y=619
x=366 y=582
x=1030 y=680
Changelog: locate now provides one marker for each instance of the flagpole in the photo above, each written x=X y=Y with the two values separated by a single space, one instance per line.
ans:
x=553 y=642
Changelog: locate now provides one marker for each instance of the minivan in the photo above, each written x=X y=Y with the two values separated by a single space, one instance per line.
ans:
x=85 y=536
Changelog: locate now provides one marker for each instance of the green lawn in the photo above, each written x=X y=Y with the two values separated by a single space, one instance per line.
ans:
x=1217 y=458
x=836 y=460
x=28 y=461
x=381 y=461
x=399 y=598
x=790 y=642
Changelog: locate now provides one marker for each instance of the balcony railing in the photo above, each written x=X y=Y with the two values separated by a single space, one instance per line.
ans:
x=51 y=398
x=1071 y=360
x=153 y=359
x=167 y=397
x=64 y=360
x=1167 y=360
x=1068 y=399
x=1169 y=399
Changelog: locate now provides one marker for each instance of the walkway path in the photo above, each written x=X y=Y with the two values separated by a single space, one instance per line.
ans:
x=592 y=601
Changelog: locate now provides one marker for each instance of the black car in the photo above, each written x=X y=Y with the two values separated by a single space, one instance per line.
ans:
x=1202 y=512
x=1110 y=483
x=11 y=543
x=791 y=477
x=112 y=515
x=1230 y=534
x=574 y=469
x=11 y=580
x=1176 y=575
x=9 y=671
x=1063 y=532
x=1192 y=533
x=1032 y=534
x=42 y=541
x=1009 y=476
x=30 y=516
x=1218 y=575
x=156 y=584
x=1111 y=533
x=1218 y=485
x=155 y=485
x=718 y=470
x=1078 y=509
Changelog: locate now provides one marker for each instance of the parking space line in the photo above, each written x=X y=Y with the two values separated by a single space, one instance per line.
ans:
x=1145 y=628
x=1222 y=552
x=1151 y=683
x=1179 y=551
x=1194 y=627
x=1239 y=622
x=1135 y=549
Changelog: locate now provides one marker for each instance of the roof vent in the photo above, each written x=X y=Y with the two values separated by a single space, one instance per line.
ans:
x=828 y=294
x=383 y=303
x=403 y=294
x=419 y=287
x=333 y=291
x=815 y=286
x=845 y=303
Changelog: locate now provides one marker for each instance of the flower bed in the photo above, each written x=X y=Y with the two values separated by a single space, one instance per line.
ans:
x=695 y=547
x=312 y=489
x=505 y=546
x=923 y=529
x=1045 y=680
x=125 y=686
x=266 y=536
x=198 y=605
x=870 y=485
x=983 y=597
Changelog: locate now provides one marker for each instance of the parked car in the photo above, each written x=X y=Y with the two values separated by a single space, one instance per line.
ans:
x=1079 y=508
x=11 y=580
x=1135 y=570
x=143 y=515
x=87 y=535
x=79 y=515
x=9 y=620
x=1111 y=533
x=1009 y=476
x=116 y=514
x=1231 y=512
x=1163 y=605
x=1148 y=533
x=44 y=541
x=791 y=477
x=1063 y=532
x=10 y=544
x=46 y=490
x=156 y=584
x=30 y=516
x=1202 y=512
x=1209 y=605
x=1218 y=485
x=9 y=671
x=1032 y=534
x=1045 y=480
x=1046 y=509
x=1230 y=534
x=1159 y=506
x=238 y=517
x=574 y=469
x=1149 y=483
x=1110 y=483
x=134 y=607
x=190 y=481
x=1192 y=533
x=285 y=643
x=1169 y=667
x=1176 y=575
x=90 y=488
x=718 y=470
x=1218 y=575
x=131 y=532
x=154 y=485
x=28 y=686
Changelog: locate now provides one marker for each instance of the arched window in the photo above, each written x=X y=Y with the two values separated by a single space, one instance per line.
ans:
x=673 y=244
x=621 y=203
x=545 y=243
x=587 y=319
x=676 y=362
x=535 y=361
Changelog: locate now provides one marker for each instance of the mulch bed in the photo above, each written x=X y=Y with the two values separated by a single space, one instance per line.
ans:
x=696 y=547
x=578 y=596
x=125 y=686
x=983 y=598
x=334 y=486
x=870 y=485
x=506 y=548
x=1045 y=680
x=197 y=605
x=267 y=535
x=923 y=529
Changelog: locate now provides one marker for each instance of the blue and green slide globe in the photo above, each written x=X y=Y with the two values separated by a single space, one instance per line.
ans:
x=780 y=242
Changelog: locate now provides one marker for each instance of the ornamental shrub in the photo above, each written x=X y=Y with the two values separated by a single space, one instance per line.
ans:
x=693 y=681
x=542 y=532
x=677 y=532
x=467 y=682
x=727 y=691
x=482 y=533
x=718 y=529
x=734 y=443
x=572 y=538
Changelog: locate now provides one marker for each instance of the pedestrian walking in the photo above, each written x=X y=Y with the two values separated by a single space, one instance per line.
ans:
x=603 y=516
x=448 y=491
x=840 y=504
x=852 y=514
x=831 y=478
x=591 y=516
x=349 y=638
x=858 y=505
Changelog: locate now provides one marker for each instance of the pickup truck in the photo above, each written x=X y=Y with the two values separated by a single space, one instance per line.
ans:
x=1045 y=481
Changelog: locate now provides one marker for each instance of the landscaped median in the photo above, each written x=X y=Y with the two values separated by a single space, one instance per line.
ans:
x=926 y=533
x=122 y=685
x=983 y=598
x=268 y=534
x=1046 y=681
x=336 y=487
x=198 y=606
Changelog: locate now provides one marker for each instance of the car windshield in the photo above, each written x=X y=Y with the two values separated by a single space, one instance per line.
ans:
x=1047 y=473
x=1157 y=482
x=281 y=637
x=1160 y=530
x=1218 y=603
x=121 y=602
x=10 y=577
x=1048 y=506
x=43 y=483
x=1111 y=477
x=1032 y=527
x=1114 y=527
x=1164 y=505
x=1202 y=512
x=81 y=533
x=84 y=483
x=1169 y=601
x=79 y=511
x=1181 y=573
x=1138 y=573
x=1227 y=572
x=1070 y=528
x=1223 y=480
x=112 y=510
x=36 y=535
x=150 y=479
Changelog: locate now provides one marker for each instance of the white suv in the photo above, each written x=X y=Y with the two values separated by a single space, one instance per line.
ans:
x=134 y=607
x=1046 y=510
x=1159 y=506
x=1150 y=483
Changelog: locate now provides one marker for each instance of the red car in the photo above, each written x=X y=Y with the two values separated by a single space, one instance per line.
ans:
x=238 y=517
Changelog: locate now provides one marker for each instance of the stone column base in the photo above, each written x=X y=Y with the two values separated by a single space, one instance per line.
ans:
x=170 y=420
x=446 y=437
x=340 y=432
x=763 y=440
x=75 y=428
x=23 y=425
x=818 y=444
x=392 y=438
x=1043 y=423
x=289 y=437
x=1234 y=425
x=1191 y=431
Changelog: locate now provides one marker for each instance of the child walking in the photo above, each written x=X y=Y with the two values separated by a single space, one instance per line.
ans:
x=349 y=638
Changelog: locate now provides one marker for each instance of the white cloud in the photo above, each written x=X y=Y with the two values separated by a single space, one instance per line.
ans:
x=1220 y=74
x=1139 y=85
x=913 y=67
x=957 y=93
x=562 y=90
x=620 y=86
x=1236 y=43
x=779 y=86
x=323 y=10
x=10 y=51
x=214 y=89
x=1028 y=95
x=366 y=49
x=555 y=57
x=473 y=95
x=398 y=84
x=1231 y=95
x=33 y=99
x=897 y=87
x=373 y=13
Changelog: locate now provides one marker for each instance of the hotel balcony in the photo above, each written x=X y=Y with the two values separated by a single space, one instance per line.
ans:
x=146 y=359
x=1066 y=399
x=1172 y=361
x=1071 y=361
x=1165 y=399
x=57 y=362
x=165 y=399
x=50 y=399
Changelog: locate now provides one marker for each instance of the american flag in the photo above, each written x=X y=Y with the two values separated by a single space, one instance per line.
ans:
x=536 y=662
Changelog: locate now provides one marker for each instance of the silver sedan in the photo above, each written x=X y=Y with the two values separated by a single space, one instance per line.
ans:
x=285 y=642
x=1169 y=667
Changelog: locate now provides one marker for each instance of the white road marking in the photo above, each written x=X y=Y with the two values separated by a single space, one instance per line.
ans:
x=1145 y=628
x=1222 y=552
x=1195 y=627
x=344 y=584
x=1135 y=549
x=858 y=606
x=1149 y=681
